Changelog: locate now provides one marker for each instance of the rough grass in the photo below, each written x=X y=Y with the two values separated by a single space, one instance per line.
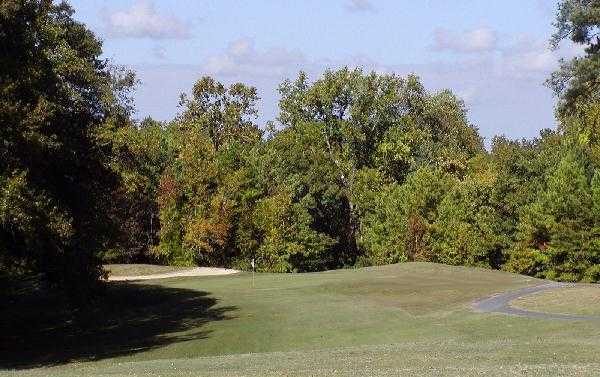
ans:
x=409 y=320
x=140 y=269
x=584 y=300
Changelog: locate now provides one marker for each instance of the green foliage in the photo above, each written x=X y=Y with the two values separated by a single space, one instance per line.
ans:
x=59 y=101
x=359 y=168
x=294 y=166
x=468 y=229
x=398 y=226
x=287 y=241
x=207 y=182
x=382 y=126
x=298 y=200
x=141 y=154
x=558 y=232
x=577 y=81
x=364 y=169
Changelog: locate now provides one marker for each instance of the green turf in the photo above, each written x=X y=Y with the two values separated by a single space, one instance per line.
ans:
x=140 y=269
x=410 y=319
x=584 y=300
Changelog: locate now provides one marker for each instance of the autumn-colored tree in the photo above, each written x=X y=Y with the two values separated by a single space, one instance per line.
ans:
x=201 y=192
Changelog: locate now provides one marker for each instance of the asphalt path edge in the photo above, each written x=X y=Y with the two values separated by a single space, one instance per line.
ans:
x=500 y=303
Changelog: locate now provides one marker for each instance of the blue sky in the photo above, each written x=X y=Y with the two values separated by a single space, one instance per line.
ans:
x=492 y=53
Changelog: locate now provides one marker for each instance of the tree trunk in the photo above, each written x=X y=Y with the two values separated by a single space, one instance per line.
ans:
x=351 y=247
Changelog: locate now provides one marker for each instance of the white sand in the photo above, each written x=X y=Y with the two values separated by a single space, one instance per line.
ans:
x=198 y=271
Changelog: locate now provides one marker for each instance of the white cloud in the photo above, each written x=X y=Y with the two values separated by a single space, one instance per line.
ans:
x=520 y=57
x=359 y=5
x=508 y=80
x=469 y=41
x=528 y=57
x=242 y=59
x=489 y=92
x=159 y=52
x=142 y=20
x=541 y=61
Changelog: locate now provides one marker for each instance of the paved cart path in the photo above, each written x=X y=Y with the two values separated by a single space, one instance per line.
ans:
x=500 y=303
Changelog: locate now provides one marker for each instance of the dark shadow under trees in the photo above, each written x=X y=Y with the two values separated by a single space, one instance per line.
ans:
x=37 y=328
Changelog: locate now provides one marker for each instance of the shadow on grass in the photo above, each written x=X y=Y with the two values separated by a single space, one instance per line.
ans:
x=38 y=329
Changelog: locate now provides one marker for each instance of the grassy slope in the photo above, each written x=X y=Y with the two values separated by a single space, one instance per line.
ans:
x=411 y=319
x=584 y=300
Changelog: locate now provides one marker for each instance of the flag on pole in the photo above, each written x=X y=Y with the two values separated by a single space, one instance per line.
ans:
x=252 y=263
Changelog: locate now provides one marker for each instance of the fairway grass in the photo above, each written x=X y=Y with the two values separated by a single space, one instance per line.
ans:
x=583 y=300
x=412 y=319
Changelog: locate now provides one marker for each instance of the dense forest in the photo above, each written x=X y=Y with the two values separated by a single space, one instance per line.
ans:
x=358 y=168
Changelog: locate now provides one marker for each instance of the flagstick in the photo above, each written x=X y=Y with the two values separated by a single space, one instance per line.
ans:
x=253 y=268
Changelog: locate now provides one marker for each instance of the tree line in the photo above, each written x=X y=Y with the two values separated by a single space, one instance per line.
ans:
x=357 y=169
